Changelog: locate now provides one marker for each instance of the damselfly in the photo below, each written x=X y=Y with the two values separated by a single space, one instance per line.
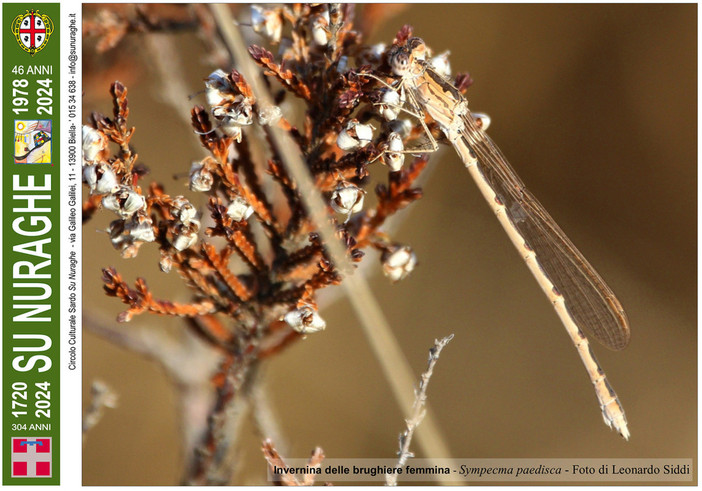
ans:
x=580 y=296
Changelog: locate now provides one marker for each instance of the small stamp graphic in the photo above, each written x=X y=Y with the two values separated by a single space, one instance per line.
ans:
x=32 y=30
x=33 y=141
x=31 y=457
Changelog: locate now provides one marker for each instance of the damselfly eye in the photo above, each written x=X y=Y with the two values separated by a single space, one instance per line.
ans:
x=400 y=63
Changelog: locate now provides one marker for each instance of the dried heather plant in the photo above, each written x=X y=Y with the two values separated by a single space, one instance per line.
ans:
x=253 y=258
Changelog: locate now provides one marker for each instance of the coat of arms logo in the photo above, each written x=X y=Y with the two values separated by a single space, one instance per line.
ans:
x=32 y=30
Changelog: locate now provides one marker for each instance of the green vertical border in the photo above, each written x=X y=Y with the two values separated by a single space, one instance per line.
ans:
x=13 y=56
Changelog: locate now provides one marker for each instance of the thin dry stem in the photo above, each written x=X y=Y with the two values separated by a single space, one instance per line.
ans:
x=418 y=409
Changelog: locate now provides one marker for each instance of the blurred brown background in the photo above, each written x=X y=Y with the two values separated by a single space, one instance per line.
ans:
x=596 y=108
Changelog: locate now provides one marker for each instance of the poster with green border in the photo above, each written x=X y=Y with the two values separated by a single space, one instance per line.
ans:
x=31 y=211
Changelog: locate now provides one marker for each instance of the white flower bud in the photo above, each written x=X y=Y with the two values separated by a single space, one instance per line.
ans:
x=115 y=230
x=393 y=157
x=354 y=136
x=483 y=119
x=305 y=320
x=94 y=144
x=201 y=179
x=398 y=261
x=239 y=209
x=347 y=199
x=230 y=108
x=441 y=64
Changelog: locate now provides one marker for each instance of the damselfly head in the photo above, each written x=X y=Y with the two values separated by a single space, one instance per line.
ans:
x=399 y=61
x=402 y=58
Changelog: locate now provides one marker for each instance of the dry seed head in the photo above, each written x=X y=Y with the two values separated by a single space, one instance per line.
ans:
x=267 y=22
x=217 y=88
x=393 y=157
x=201 y=179
x=441 y=64
x=269 y=115
x=185 y=235
x=127 y=236
x=320 y=29
x=239 y=209
x=398 y=261
x=229 y=106
x=391 y=104
x=94 y=144
x=232 y=130
x=183 y=210
x=232 y=117
x=140 y=228
x=354 y=135
x=125 y=202
x=238 y=113
x=100 y=178
x=166 y=262
x=347 y=199
x=305 y=320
